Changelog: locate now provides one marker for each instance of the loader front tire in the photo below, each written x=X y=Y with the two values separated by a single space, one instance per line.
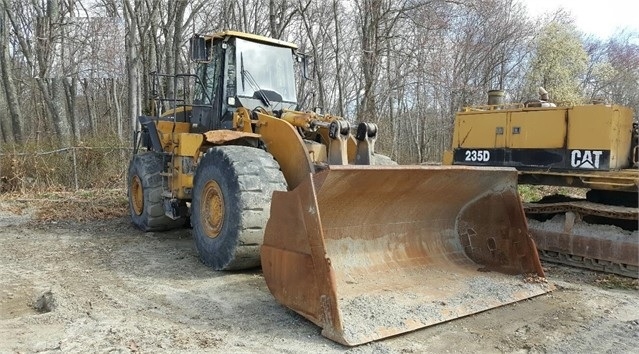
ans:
x=232 y=191
x=145 y=194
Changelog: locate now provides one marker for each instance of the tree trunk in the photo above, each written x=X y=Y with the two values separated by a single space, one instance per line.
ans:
x=116 y=106
x=338 y=64
x=132 y=61
x=318 y=74
x=370 y=17
x=56 y=104
x=89 y=100
x=71 y=92
x=13 y=126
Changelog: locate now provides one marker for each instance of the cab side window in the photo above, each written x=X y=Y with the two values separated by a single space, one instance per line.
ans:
x=209 y=73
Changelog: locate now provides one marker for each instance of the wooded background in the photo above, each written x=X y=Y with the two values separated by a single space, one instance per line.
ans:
x=74 y=72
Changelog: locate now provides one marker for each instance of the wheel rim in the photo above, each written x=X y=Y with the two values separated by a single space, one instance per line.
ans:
x=137 y=195
x=212 y=209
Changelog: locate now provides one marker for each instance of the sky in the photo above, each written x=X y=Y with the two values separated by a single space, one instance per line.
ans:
x=599 y=18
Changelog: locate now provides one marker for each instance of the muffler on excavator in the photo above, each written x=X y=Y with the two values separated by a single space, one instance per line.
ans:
x=367 y=252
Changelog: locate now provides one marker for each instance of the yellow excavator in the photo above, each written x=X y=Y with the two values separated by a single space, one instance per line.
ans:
x=593 y=147
x=361 y=246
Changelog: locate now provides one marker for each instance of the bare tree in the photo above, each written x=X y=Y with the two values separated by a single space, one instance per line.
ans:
x=406 y=65
x=11 y=128
x=281 y=12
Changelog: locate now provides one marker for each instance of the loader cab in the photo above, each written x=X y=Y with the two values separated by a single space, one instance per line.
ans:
x=240 y=70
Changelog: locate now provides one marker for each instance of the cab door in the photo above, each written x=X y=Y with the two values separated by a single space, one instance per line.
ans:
x=207 y=102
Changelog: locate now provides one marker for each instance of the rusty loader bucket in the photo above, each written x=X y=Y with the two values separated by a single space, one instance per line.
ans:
x=368 y=252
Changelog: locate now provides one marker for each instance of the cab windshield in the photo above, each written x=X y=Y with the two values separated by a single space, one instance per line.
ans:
x=265 y=71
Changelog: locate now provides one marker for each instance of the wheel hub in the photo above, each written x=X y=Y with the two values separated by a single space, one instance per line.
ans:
x=212 y=209
x=137 y=196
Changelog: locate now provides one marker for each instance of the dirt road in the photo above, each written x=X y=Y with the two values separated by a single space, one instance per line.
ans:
x=106 y=287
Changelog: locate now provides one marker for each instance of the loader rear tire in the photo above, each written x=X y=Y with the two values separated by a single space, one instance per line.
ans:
x=232 y=191
x=145 y=194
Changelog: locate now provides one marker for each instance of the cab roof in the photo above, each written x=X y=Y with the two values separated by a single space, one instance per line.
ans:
x=253 y=37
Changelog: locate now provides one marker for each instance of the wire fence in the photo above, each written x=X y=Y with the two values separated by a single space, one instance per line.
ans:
x=71 y=168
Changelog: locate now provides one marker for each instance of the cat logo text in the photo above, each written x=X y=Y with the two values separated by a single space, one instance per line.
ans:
x=586 y=159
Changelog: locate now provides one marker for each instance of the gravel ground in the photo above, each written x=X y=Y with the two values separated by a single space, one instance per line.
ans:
x=103 y=286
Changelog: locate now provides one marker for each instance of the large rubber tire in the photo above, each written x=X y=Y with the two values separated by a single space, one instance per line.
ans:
x=145 y=194
x=382 y=160
x=232 y=191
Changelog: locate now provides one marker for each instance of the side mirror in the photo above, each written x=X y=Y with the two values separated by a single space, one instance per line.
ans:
x=198 y=48
x=304 y=60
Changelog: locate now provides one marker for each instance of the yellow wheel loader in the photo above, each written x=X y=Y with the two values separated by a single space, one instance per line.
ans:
x=361 y=246
x=594 y=147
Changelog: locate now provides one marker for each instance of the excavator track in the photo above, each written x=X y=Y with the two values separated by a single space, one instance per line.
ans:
x=582 y=234
x=625 y=270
